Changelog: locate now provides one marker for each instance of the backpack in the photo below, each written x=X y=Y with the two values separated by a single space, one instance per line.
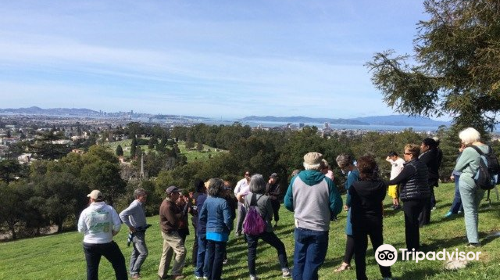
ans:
x=253 y=224
x=488 y=168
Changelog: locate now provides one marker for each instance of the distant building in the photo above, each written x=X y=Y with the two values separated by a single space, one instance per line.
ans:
x=78 y=151
x=24 y=158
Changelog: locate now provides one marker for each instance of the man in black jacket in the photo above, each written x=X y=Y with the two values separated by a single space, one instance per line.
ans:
x=431 y=157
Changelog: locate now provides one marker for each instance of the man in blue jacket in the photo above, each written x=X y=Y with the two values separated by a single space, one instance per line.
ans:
x=314 y=199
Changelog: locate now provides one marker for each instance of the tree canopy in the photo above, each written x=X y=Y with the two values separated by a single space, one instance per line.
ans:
x=456 y=71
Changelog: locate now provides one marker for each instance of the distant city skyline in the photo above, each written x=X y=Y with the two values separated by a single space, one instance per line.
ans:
x=217 y=59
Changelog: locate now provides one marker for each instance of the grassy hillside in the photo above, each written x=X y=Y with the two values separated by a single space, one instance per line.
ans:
x=61 y=256
x=191 y=155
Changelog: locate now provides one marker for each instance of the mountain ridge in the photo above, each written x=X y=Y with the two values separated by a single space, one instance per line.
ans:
x=394 y=120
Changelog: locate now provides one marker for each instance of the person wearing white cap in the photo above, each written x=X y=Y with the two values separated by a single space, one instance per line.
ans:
x=99 y=222
x=314 y=199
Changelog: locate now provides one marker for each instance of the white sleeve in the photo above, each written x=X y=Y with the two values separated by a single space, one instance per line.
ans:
x=117 y=223
x=82 y=226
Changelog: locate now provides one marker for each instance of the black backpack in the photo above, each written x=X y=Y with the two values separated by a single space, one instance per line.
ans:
x=488 y=167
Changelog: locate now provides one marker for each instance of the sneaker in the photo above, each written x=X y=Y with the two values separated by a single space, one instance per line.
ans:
x=286 y=273
x=225 y=261
x=136 y=276
x=459 y=212
x=433 y=208
x=473 y=245
x=177 y=277
x=447 y=215
x=254 y=277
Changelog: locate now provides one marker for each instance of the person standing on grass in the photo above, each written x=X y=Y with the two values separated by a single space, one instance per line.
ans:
x=366 y=204
x=200 y=191
x=134 y=217
x=99 y=222
x=170 y=215
x=228 y=195
x=314 y=199
x=216 y=213
x=241 y=190
x=346 y=165
x=471 y=194
x=456 y=205
x=274 y=193
x=431 y=157
x=415 y=193
x=201 y=230
x=263 y=202
x=397 y=165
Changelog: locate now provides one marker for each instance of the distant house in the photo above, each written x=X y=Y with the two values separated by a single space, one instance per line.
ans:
x=62 y=142
x=24 y=158
x=78 y=151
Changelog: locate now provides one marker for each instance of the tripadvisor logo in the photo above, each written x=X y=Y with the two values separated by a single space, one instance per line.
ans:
x=387 y=255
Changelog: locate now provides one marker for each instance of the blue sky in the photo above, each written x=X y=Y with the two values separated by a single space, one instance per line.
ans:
x=217 y=58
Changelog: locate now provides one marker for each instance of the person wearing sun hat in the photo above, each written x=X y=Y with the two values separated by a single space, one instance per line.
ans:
x=99 y=222
x=314 y=199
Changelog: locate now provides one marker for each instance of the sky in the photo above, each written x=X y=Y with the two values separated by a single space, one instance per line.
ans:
x=213 y=58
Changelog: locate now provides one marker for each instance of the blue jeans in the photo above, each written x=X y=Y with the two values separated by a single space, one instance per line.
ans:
x=139 y=253
x=214 y=257
x=457 y=201
x=310 y=252
x=200 y=270
x=271 y=239
x=111 y=251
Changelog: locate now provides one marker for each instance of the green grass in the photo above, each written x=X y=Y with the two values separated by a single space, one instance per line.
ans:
x=191 y=155
x=61 y=257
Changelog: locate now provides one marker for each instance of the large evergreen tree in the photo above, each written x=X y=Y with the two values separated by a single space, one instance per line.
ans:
x=456 y=69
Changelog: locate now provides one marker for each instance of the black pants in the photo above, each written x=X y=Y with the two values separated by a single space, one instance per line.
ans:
x=368 y=226
x=349 y=249
x=110 y=251
x=276 y=209
x=271 y=239
x=412 y=209
x=425 y=216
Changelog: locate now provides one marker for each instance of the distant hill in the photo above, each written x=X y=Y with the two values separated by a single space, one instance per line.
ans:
x=402 y=120
x=396 y=120
x=53 y=111
x=300 y=119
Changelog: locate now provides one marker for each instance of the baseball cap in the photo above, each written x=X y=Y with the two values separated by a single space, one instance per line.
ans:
x=173 y=189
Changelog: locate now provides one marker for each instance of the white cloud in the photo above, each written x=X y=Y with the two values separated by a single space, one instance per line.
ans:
x=230 y=57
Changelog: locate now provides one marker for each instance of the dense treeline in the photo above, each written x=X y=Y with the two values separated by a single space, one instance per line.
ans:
x=53 y=192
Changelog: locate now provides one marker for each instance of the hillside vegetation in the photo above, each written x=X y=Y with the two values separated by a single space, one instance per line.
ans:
x=60 y=256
